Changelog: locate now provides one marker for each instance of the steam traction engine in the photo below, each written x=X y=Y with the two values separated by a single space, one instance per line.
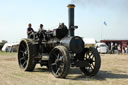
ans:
x=58 y=50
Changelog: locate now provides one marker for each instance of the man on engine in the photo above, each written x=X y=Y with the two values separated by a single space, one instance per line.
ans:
x=29 y=30
x=62 y=26
x=42 y=32
x=41 y=27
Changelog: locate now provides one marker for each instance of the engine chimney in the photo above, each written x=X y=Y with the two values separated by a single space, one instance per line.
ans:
x=71 y=19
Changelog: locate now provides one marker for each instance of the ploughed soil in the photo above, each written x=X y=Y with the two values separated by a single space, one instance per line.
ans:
x=113 y=71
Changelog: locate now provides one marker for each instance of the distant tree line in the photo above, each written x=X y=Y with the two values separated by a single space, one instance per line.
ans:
x=2 y=43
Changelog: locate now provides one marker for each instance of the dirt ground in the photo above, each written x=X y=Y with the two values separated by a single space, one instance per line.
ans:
x=114 y=71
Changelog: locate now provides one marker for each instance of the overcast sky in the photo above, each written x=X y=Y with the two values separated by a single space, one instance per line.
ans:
x=89 y=16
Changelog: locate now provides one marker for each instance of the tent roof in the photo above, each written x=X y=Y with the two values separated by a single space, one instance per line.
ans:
x=89 y=41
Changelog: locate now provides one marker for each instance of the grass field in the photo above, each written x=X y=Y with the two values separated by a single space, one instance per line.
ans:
x=114 y=71
x=7 y=53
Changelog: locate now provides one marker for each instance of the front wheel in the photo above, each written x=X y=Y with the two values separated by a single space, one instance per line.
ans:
x=59 y=62
x=94 y=59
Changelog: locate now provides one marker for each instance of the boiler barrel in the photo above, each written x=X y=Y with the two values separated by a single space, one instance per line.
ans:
x=75 y=44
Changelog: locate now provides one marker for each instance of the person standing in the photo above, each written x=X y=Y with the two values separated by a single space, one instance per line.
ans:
x=123 y=50
x=29 y=29
x=112 y=46
x=126 y=50
x=119 y=49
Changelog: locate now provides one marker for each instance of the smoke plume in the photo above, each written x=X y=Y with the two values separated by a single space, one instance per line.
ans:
x=119 y=5
x=90 y=2
x=97 y=3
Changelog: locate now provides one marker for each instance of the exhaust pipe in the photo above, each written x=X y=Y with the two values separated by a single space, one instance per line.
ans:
x=71 y=19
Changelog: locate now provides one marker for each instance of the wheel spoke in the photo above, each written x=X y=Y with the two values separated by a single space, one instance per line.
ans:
x=21 y=51
x=92 y=66
x=24 y=47
x=87 y=56
x=93 y=57
x=58 y=56
x=87 y=68
x=22 y=58
x=61 y=58
x=53 y=64
x=26 y=54
x=57 y=71
x=26 y=57
x=90 y=55
x=93 y=60
x=90 y=69
x=24 y=63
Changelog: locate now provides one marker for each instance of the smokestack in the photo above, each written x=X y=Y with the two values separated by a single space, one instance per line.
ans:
x=71 y=18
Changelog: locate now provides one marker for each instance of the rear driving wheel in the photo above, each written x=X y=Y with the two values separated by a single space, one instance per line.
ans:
x=59 y=62
x=26 y=54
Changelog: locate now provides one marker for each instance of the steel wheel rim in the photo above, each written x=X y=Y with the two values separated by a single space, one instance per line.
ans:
x=57 y=63
x=23 y=55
